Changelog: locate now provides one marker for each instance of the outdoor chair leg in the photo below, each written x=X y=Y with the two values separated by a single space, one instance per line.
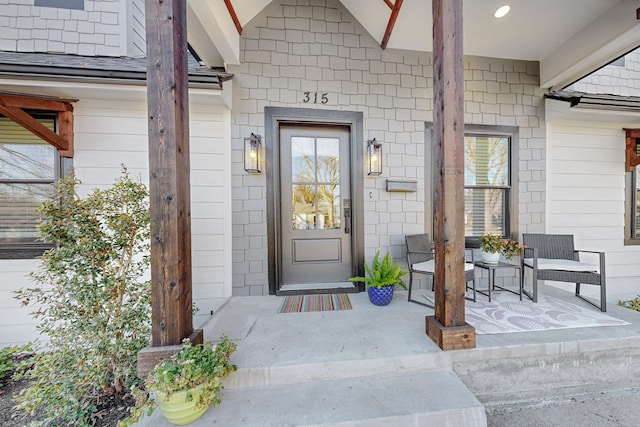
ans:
x=409 y=294
x=603 y=297
x=410 y=286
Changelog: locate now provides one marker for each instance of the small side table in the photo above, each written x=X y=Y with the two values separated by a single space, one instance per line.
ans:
x=491 y=268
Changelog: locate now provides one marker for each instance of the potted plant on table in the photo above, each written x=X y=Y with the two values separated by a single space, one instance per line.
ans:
x=493 y=245
x=186 y=384
x=381 y=278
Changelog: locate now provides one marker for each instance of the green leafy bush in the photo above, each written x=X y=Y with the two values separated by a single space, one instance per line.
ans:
x=92 y=300
x=10 y=360
x=380 y=274
x=633 y=304
x=193 y=366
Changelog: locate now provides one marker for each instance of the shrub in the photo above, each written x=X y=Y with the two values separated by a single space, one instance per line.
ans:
x=633 y=304
x=92 y=302
x=10 y=360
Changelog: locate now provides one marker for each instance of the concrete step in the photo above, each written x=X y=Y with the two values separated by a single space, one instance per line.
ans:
x=427 y=399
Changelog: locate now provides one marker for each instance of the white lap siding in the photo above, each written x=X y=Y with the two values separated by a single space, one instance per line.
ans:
x=586 y=197
x=110 y=133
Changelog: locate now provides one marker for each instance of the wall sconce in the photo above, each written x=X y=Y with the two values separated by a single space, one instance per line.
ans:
x=252 y=149
x=374 y=157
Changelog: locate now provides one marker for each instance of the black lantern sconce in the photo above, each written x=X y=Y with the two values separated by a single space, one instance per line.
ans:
x=374 y=157
x=252 y=150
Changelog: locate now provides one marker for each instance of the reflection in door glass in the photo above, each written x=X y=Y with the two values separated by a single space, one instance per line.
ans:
x=328 y=160
x=304 y=207
x=329 y=206
x=303 y=163
x=315 y=174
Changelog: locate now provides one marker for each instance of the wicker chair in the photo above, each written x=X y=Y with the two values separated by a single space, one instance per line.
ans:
x=420 y=259
x=553 y=257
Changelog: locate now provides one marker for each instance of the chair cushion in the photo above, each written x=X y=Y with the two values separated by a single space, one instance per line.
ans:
x=430 y=266
x=563 y=265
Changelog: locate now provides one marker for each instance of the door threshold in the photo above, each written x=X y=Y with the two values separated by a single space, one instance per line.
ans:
x=318 y=288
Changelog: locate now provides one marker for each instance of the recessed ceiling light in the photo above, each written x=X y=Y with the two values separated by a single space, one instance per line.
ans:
x=502 y=11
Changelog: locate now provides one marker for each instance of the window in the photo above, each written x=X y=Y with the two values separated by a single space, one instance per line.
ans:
x=62 y=4
x=632 y=154
x=620 y=62
x=487 y=183
x=28 y=168
x=635 y=230
x=490 y=181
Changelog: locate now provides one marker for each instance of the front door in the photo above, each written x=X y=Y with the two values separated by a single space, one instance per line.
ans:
x=315 y=206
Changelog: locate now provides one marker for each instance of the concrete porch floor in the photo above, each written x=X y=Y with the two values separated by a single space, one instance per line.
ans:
x=338 y=367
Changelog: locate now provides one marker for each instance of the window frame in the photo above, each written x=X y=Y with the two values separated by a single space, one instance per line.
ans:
x=630 y=214
x=632 y=164
x=512 y=196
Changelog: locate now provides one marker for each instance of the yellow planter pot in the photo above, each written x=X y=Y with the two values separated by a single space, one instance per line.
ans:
x=177 y=410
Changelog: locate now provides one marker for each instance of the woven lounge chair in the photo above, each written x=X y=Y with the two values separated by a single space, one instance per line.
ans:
x=420 y=259
x=553 y=257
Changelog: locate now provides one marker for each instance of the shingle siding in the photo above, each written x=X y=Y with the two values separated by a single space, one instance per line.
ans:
x=291 y=47
x=103 y=28
x=614 y=79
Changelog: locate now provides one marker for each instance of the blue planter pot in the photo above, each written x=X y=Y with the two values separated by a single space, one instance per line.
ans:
x=381 y=296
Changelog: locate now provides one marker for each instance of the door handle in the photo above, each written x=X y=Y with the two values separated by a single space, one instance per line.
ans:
x=347 y=215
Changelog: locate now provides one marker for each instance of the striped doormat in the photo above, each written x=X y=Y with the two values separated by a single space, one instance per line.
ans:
x=324 y=302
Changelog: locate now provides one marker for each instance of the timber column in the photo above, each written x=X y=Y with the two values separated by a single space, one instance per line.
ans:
x=169 y=183
x=448 y=327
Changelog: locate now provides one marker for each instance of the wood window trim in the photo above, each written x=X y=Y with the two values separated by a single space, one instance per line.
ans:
x=16 y=108
x=631 y=151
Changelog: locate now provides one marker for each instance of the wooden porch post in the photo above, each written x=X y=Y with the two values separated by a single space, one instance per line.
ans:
x=448 y=327
x=170 y=206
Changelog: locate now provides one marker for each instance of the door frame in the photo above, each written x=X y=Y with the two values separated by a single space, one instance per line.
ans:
x=276 y=116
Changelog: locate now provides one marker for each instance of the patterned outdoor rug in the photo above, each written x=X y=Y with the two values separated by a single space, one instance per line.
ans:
x=324 y=302
x=506 y=313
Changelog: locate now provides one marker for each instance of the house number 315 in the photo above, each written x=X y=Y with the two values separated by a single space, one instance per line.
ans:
x=315 y=98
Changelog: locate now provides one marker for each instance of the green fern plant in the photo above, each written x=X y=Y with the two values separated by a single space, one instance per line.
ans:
x=381 y=273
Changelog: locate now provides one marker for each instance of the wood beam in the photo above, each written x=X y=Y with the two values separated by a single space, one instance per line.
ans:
x=35 y=103
x=169 y=171
x=631 y=152
x=234 y=17
x=395 y=9
x=13 y=106
x=25 y=120
x=448 y=327
x=65 y=129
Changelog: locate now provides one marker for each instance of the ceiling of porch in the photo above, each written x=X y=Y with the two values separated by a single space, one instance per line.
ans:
x=570 y=38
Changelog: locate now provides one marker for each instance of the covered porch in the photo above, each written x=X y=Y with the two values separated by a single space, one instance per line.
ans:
x=309 y=369
x=238 y=51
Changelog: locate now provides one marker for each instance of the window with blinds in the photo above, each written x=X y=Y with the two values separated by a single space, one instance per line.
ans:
x=487 y=183
x=635 y=215
x=632 y=187
x=28 y=169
